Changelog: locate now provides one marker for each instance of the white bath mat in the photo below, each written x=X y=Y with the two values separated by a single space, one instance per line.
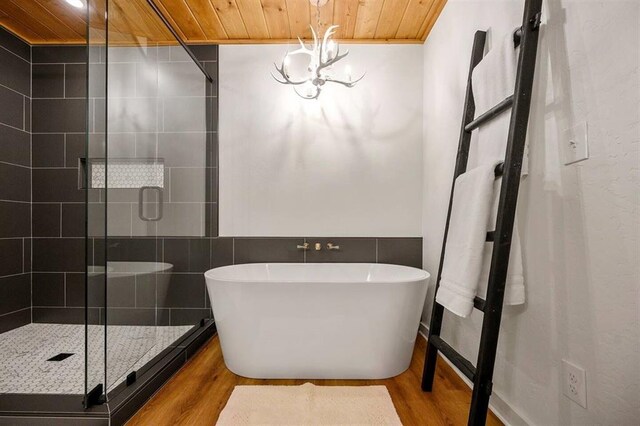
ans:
x=309 y=405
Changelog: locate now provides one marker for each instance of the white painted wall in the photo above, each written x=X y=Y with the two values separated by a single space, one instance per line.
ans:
x=580 y=224
x=349 y=164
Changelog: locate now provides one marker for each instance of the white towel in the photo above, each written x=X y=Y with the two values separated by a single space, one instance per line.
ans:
x=494 y=80
x=514 y=290
x=472 y=201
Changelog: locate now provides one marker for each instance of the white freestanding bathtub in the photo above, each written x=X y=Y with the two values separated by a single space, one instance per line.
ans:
x=317 y=321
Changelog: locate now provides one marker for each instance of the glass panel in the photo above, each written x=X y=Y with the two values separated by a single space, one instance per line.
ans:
x=152 y=178
x=95 y=280
x=132 y=192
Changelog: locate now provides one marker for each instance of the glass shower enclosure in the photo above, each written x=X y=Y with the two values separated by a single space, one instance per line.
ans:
x=146 y=171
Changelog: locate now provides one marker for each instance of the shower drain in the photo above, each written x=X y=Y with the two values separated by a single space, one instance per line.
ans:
x=60 y=356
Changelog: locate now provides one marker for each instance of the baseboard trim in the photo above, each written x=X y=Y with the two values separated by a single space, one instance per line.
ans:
x=498 y=405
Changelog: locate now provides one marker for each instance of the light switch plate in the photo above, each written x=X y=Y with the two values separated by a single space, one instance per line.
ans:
x=576 y=144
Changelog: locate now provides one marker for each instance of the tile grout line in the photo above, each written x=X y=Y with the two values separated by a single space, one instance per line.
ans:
x=15 y=54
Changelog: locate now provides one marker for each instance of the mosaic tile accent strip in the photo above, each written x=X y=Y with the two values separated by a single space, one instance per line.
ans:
x=127 y=174
x=24 y=353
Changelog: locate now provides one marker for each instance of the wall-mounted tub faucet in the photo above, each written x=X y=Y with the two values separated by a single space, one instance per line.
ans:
x=331 y=246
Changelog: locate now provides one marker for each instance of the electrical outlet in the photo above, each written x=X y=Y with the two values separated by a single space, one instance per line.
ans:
x=574 y=383
x=576 y=144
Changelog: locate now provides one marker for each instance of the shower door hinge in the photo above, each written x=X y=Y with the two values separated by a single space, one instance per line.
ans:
x=94 y=397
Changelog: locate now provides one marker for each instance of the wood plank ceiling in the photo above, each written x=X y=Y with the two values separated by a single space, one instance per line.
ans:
x=220 y=21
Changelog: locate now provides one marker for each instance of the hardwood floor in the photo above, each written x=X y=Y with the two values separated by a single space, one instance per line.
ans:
x=197 y=394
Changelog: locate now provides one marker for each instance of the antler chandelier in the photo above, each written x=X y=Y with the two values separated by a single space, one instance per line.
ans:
x=322 y=55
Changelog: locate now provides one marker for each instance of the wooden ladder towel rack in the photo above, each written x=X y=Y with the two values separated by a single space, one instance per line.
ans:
x=510 y=170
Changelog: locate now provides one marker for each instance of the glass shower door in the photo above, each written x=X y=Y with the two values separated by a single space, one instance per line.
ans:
x=95 y=208
x=149 y=173
x=134 y=181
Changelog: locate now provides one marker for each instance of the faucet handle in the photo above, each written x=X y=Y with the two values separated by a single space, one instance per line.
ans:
x=331 y=246
x=305 y=246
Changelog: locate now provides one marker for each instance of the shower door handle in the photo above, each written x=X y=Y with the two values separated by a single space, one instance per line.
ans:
x=160 y=202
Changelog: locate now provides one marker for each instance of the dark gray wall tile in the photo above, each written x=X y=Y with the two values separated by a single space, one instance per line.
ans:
x=259 y=250
x=182 y=149
x=176 y=79
x=27 y=254
x=16 y=219
x=122 y=80
x=134 y=250
x=121 y=290
x=15 y=320
x=96 y=289
x=163 y=317
x=188 y=316
x=46 y=220
x=139 y=54
x=212 y=149
x=205 y=52
x=131 y=316
x=400 y=251
x=59 y=115
x=12 y=111
x=48 y=80
x=15 y=183
x=73 y=220
x=187 y=255
x=185 y=114
x=75 y=80
x=75 y=148
x=14 y=72
x=27 y=114
x=212 y=114
x=75 y=289
x=212 y=69
x=58 y=255
x=146 y=290
x=188 y=185
x=11 y=257
x=14 y=146
x=58 y=54
x=15 y=293
x=55 y=315
x=212 y=219
x=130 y=114
x=48 y=289
x=97 y=80
x=48 y=150
x=14 y=44
x=56 y=185
x=221 y=252
x=182 y=291
x=352 y=250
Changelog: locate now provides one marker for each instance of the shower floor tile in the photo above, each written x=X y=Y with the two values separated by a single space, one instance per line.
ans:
x=25 y=351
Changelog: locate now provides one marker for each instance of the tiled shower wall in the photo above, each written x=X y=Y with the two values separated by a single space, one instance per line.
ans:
x=58 y=141
x=15 y=182
x=159 y=107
